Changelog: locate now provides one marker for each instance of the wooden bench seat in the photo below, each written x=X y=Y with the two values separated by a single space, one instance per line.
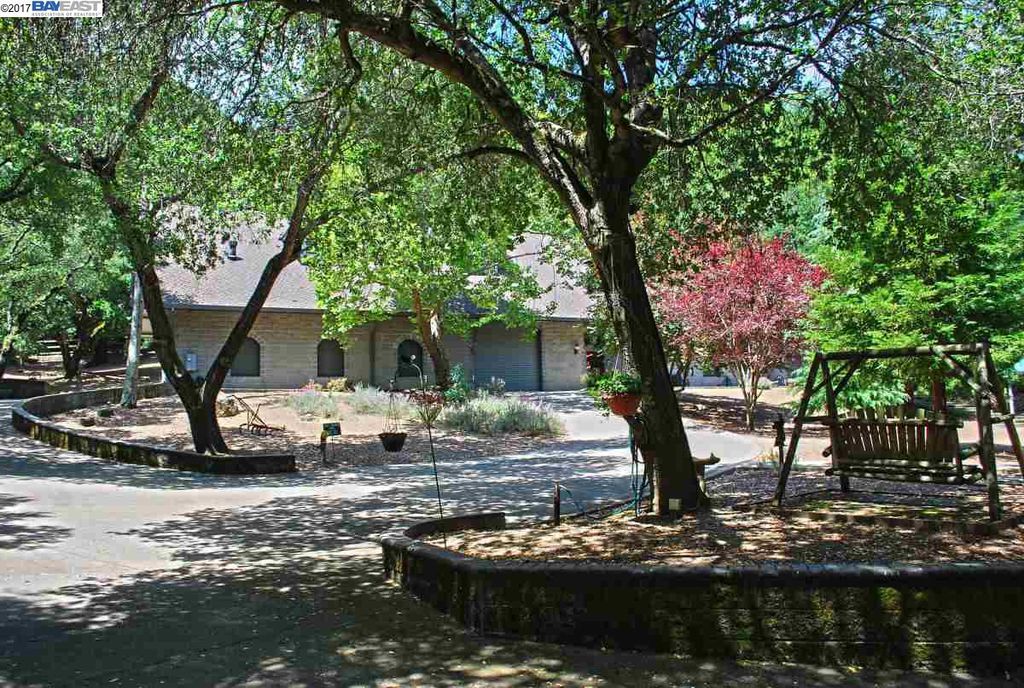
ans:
x=900 y=449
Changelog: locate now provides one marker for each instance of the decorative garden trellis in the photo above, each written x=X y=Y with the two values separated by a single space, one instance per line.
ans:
x=907 y=449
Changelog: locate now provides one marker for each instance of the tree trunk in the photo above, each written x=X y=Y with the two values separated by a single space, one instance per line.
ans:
x=675 y=479
x=687 y=364
x=69 y=358
x=431 y=333
x=750 y=396
x=205 y=429
x=909 y=408
x=129 y=393
x=750 y=404
x=200 y=401
x=206 y=434
x=939 y=395
x=291 y=247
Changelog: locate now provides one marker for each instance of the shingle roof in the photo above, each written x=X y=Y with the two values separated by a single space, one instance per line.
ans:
x=227 y=285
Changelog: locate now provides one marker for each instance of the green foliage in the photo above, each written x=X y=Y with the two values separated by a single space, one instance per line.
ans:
x=871 y=387
x=613 y=382
x=436 y=246
x=487 y=415
x=313 y=404
x=459 y=390
x=372 y=401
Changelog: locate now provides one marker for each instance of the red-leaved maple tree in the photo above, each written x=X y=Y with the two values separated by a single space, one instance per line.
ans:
x=739 y=303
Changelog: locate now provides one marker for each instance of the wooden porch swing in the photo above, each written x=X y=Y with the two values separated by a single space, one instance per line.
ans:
x=890 y=446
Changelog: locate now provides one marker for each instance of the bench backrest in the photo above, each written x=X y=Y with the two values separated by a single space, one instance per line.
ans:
x=913 y=440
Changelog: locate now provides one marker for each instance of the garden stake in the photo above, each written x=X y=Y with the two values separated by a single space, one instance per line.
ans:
x=428 y=415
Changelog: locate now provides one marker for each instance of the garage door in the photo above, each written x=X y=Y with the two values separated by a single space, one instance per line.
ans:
x=505 y=353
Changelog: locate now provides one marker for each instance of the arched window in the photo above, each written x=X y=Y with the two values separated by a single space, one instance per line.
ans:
x=409 y=352
x=330 y=359
x=247 y=360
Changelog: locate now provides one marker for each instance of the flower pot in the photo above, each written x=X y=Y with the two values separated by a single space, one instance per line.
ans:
x=622 y=404
x=392 y=441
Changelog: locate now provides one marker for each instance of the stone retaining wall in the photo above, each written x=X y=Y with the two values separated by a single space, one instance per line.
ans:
x=944 y=617
x=29 y=417
x=16 y=388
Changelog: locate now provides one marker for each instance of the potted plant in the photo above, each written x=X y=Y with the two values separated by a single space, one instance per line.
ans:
x=391 y=436
x=617 y=390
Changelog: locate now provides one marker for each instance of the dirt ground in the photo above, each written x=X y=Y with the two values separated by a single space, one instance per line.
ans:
x=162 y=422
x=49 y=369
x=728 y=535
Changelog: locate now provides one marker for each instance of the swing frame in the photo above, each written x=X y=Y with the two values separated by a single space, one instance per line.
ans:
x=978 y=372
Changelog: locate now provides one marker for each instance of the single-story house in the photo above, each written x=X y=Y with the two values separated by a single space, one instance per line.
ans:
x=287 y=348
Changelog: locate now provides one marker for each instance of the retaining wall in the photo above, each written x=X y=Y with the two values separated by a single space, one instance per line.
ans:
x=943 y=617
x=30 y=415
x=17 y=388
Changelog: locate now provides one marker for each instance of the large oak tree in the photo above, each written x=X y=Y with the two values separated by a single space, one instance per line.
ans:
x=589 y=92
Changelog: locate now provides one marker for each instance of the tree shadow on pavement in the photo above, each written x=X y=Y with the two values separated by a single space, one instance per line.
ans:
x=284 y=593
x=20 y=529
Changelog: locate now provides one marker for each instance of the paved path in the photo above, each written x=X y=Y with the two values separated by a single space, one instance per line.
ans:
x=132 y=576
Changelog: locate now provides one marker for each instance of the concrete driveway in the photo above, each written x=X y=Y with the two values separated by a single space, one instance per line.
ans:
x=123 y=575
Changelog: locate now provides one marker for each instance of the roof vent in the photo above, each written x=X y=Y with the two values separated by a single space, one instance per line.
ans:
x=232 y=253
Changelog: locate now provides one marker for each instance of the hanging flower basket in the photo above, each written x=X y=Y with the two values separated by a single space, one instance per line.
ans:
x=391 y=435
x=623 y=404
x=617 y=391
x=392 y=441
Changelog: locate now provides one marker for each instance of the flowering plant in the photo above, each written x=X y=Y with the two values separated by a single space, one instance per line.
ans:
x=429 y=404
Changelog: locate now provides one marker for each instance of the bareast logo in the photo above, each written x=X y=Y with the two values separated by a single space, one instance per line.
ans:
x=51 y=8
x=67 y=5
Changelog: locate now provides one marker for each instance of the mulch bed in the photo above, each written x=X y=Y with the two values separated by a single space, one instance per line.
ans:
x=161 y=422
x=730 y=534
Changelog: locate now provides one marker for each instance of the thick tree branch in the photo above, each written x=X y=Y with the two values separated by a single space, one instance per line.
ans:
x=666 y=139
x=469 y=154
x=139 y=112
x=17 y=188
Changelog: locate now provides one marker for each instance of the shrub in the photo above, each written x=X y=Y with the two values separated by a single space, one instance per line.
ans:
x=372 y=401
x=338 y=384
x=312 y=403
x=488 y=415
x=459 y=391
x=495 y=387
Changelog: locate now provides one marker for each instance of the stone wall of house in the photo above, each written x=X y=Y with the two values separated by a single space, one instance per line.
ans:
x=288 y=349
x=563 y=355
x=387 y=336
x=288 y=346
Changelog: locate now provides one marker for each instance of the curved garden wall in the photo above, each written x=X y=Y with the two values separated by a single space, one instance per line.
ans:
x=950 y=617
x=30 y=415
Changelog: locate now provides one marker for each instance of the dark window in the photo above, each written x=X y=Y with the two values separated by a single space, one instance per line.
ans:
x=409 y=352
x=247 y=360
x=330 y=359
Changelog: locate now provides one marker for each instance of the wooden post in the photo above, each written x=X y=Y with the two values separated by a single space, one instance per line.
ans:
x=780 y=437
x=557 y=505
x=986 y=443
x=1005 y=409
x=835 y=433
x=798 y=422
